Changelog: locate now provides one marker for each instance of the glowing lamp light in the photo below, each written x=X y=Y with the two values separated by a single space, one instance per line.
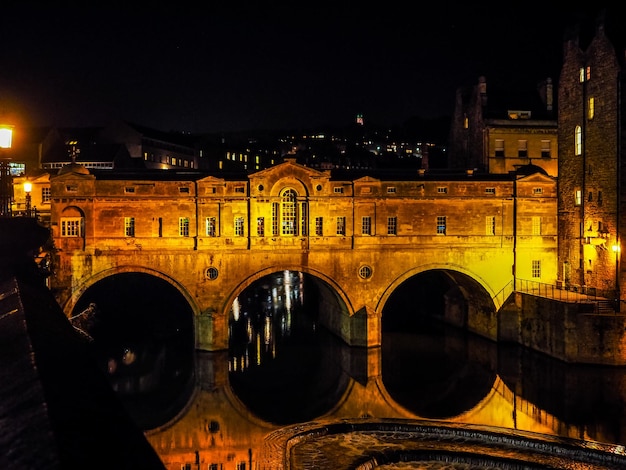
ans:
x=28 y=187
x=6 y=137
x=615 y=248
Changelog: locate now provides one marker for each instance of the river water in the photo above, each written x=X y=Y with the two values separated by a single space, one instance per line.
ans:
x=285 y=377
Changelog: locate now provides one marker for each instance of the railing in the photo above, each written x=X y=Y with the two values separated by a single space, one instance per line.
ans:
x=603 y=301
x=556 y=291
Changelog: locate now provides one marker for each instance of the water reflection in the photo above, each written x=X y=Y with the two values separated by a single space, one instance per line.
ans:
x=282 y=368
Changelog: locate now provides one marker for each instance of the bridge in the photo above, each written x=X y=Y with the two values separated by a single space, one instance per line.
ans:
x=358 y=236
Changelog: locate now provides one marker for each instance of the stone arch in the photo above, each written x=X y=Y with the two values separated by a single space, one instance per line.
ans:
x=333 y=287
x=482 y=302
x=289 y=182
x=81 y=289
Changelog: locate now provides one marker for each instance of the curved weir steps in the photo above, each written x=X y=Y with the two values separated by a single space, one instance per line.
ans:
x=369 y=444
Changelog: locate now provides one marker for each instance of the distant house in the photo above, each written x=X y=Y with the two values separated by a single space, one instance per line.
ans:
x=498 y=130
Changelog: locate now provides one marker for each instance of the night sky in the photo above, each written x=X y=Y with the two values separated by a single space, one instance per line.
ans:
x=213 y=68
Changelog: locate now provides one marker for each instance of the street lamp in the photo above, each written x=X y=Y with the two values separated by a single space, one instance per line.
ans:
x=28 y=187
x=6 y=183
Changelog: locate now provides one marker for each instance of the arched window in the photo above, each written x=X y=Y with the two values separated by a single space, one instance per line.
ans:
x=289 y=212
x=578 y=142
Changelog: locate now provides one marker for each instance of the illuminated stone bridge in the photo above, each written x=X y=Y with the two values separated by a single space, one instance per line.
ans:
x=358 y=237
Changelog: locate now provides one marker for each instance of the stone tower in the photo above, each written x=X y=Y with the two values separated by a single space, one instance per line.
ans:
x=591 y=165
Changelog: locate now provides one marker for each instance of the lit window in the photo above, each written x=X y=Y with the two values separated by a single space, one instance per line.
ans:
x=490 y=225
x=289 y=213
x=239 y=226
x=536 y=225
x=183 y=226
x=536 y=268
x=45 y=195
x=578 y=141
x=341 y=225
x=578 y=197
x=392 y=225
x=591 y=108
x=129 y=226
x=366 y=225
x=584 y=74
x=441 y=225
x=71 y=226
x=210 y=225
x=465 y=123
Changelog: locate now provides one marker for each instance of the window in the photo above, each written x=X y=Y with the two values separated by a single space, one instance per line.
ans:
x=260 y=226
x=71 y=226
x=392 y=225
x=537 y=191
x=391 y=189
x=304 y=218
x=319 y=226
x=240 y=189
x=365 y=272
x=536 y=225
x=522 y=148
x=366 y=225
x=183 y=189
x=599 y=198
x=239 y=226
x=491 y=191
x=210 y=226
x=45 y=195
x=536 y=268
x=578 y=141
x=441 y=225
x=590 y=108
x=289 y=213
x=129 y=189
x=546 y=149
x=275 y=207
x=578 y=197
x=490 y=225
x=341 y=225
x=211 y=273
x=442 y=190
x=499 y=148
x=590 y=196
x=183 y=226
x=338 y=189
x=584 y=74
x=129 y=226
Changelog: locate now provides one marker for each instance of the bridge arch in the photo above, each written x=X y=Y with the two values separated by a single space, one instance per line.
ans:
x=473 y=304
x=329 y=286
x=78 y=292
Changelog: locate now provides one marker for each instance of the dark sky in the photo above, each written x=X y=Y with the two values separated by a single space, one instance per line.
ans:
x=214 y=68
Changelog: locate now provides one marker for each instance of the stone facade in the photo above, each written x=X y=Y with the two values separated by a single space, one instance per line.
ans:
x=359 y=237
x=499 y=131
x=591 y=168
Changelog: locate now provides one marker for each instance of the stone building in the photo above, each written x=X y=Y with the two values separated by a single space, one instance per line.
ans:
x=497 y=130
x=591 y=161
